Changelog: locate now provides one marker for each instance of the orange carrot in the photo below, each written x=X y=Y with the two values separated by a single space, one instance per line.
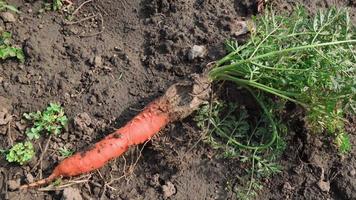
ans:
x=151 y=120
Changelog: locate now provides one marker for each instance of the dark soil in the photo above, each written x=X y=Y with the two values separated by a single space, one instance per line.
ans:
x=105 y=69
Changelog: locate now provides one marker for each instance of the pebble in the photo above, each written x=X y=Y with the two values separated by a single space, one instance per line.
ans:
x=29 y=178
x=168 y=189
x=8 y=17
x=70 y=193
x=197 y=51
x=82 y=121
x=97 y=61
x=287 y=186
x=74 y=30
x=21 y=125
x=324 y=185
x=240 y=28
x=14 y=184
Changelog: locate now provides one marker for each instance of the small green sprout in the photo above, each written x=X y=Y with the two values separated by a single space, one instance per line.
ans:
x=52 y=120
x=57 y=5
x=20 y=153
x=7 y=50
x=57 y=182
x=65 y=152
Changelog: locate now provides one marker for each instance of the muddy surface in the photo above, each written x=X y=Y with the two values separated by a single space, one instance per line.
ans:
x=112 y=59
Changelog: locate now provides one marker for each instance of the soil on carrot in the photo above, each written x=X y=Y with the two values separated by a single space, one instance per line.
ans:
x=112 y=59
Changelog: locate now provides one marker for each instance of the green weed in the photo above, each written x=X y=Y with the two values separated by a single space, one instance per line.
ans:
x=57 y=5
x=7 y=50
x=20 y=153
x=52 y=120
x=64 y=152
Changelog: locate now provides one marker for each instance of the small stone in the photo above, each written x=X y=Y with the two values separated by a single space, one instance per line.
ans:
x=318 y=143
x=82 y=121
x=14 y=184
x=352 y=172
x=168 y=190
x=240 y=28
x=197 y=51
x=74 y=30
x=40 y=26
x=1 y=78
x=117 y=49
x=70 y=193
x=64 y=136
x=8 y=17
x=29 y=10
x=21 y=125
x=97 y=61
x=287 y=186
x=324 y=185
x=29 y=178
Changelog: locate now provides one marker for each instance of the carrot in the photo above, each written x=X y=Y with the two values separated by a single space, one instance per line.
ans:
x=178 y=102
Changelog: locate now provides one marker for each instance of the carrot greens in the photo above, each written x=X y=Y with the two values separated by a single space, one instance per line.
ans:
x=310 y=61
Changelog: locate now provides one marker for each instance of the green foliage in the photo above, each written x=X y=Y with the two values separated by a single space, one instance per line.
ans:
x=57 y=4
x=247 y=138
x=7 y=50
x=57 y=182
x=4 y=6
x=65 y=152
x=52 y=120
x=343 y=141
x=20 y=153
x=260 y=168
x=310 y=61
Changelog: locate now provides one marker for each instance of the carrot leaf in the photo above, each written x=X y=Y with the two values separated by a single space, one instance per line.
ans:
x=306 y=60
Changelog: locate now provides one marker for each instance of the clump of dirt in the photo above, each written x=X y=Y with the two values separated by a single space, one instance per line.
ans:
x=110 y=61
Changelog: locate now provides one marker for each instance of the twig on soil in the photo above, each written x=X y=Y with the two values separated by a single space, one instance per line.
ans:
x=107 y=184
x=81 y=20
x=83 y=179
x=80 y=6
x=98 y=7
x=9 y=135
x=101 y=28
x=39 y=162
x=5 y=181
x=132 y=167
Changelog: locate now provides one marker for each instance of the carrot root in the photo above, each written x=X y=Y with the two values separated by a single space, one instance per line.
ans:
x=39 y=183
x=179 y=101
